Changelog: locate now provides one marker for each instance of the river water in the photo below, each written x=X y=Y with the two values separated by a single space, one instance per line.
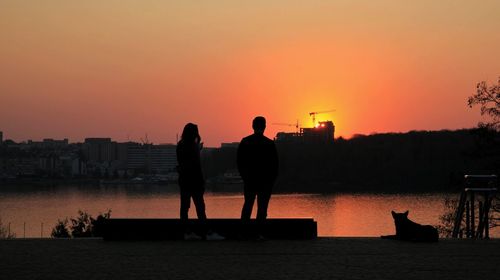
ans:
x=26 y=208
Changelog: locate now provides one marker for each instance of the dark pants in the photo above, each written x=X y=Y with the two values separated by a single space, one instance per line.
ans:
x=198 y=201
x=263 y=194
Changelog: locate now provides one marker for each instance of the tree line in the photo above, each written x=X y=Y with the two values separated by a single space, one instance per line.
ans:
x=413 y=161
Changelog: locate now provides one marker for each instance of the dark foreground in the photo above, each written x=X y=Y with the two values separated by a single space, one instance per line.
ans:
x=324 y=258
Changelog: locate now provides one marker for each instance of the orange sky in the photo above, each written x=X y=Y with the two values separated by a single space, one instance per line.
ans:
x=122 y=68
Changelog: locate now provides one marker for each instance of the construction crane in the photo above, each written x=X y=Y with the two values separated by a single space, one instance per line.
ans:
x=313 y=115
x=290 y=124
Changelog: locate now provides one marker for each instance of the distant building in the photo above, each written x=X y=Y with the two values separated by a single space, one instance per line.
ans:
x=24 y=167
x=323 y=133
x=207 y=152
x=163 y=158
x=100 y=149
x=96 y=157
x=135 y=156
x=149 y=158
x=1 y=138
x=289 y=137
x=48 y=144
x=78 y=167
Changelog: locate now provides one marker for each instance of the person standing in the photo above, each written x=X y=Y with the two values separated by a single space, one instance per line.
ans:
x=257 y=160
x=191 y=181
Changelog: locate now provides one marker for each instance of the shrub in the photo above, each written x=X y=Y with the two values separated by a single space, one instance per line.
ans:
x=447 y=219
x=61 y=229
x=84 y=225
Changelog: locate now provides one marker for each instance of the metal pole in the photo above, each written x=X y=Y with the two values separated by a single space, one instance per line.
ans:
x=459 y=214
x=41 y=231
x=24 y=230
x=486 y=217
x=479 y=233
x=467 y=219
x=472 y=216
x=9 y=231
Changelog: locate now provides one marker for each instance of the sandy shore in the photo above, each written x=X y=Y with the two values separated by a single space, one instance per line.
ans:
x=324 y=258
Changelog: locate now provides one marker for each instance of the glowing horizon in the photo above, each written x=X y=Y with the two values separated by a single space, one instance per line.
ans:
x=122 y=69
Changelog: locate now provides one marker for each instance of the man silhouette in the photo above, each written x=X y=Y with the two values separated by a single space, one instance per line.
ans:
x=257 y=161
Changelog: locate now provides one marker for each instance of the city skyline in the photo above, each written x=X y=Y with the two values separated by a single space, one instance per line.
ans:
x=325 y=131
x=124 y=69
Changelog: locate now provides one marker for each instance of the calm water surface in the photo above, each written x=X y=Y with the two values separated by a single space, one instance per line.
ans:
x=336 y=214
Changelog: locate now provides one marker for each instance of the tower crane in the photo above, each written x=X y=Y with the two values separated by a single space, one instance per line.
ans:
x=313 y=115
x=290 y=124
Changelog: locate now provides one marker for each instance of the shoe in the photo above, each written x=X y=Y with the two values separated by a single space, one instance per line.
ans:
x=214 y=236
x=191 y=236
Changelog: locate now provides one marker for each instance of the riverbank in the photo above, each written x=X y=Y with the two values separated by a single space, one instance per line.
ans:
x=324 y=258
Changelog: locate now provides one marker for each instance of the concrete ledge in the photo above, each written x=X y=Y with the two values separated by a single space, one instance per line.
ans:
x=174 y=229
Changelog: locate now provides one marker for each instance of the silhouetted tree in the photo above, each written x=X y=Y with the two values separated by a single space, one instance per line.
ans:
x=489 y=99
x=61 y=230
x=84 y=225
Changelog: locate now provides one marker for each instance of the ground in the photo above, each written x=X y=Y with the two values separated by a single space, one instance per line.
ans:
x=324 y=258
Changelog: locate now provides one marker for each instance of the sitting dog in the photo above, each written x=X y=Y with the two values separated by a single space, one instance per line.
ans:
x=408 y=230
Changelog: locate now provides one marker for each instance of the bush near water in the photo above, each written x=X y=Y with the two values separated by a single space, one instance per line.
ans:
x=84 y=225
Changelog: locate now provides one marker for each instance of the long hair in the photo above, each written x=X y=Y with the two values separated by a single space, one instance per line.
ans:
x=190 y=134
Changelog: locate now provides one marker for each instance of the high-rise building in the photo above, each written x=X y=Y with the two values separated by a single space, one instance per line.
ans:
x=150 y=158
x=136 y=156
x=163 y=158
x=100 y=149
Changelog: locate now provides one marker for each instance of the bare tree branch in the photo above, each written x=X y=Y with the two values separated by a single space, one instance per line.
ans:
x=489 y=99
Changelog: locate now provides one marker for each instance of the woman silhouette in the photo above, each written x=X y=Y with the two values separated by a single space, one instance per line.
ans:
x=191 y=181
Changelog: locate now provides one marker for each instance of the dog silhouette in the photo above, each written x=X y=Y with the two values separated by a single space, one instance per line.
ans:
x=408 y=230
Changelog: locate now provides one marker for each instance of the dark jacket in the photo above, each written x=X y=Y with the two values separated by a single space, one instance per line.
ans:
x=257 y=159
x=189 y=166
